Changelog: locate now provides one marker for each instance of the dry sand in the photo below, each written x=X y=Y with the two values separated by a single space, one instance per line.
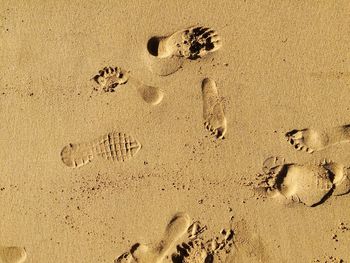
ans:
x=280 y=66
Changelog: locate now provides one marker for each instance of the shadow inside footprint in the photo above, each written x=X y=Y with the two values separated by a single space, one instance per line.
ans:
x=153 y=45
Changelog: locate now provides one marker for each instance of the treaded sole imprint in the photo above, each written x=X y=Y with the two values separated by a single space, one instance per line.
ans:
x=114 y=146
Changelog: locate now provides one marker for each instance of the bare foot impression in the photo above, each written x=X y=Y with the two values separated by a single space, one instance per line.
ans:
x=115 y=146
x=189 y=43
x=198 y=249
x=311 y=140
x=109 y=78
x=213 y=113
x=12 y=254
x=310 y=184
x=182 y=243
x=155 y=253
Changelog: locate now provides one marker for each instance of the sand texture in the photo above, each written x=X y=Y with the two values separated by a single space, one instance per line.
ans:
x=174 y=131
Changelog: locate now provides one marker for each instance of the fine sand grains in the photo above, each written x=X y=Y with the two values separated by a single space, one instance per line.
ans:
x=12 y=254
x=115 y=146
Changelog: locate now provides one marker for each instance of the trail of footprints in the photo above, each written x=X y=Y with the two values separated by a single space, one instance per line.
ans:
x=182 y=242
x=310 y=184
x=120 y=146
x=191 y=43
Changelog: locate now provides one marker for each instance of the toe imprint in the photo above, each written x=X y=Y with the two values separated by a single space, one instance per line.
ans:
x=308 y=140
x=213 y=114
x=113 y=146
x=198 y=41
x=110 y=77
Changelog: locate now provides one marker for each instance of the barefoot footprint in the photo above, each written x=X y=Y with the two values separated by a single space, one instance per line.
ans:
x=109 y=78
x=197 y=249
x=311 y=140
x=190 y=248
x=213 y=113
x=310 y=184
x=190 y=43
x=12 y=254
x=113 y=146
x=155 y=253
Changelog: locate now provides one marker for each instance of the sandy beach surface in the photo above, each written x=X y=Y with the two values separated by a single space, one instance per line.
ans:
x=268 y=71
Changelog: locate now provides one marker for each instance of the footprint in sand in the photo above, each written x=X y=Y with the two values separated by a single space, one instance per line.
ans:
x=310 y=184
x=12 y=254
x=169 y=52
x=198 y=249
x=156 y=253
x=115 y=146
x=213 y=113
x=186 y=244
x=109 y=78
x=311 y=140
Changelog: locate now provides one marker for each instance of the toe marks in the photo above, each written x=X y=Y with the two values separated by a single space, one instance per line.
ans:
x=218 y=133
x=296 y=139
x=110 y=77
x=200 y=41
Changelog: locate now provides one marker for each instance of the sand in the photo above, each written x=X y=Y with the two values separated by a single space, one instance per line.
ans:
x=275 y=68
